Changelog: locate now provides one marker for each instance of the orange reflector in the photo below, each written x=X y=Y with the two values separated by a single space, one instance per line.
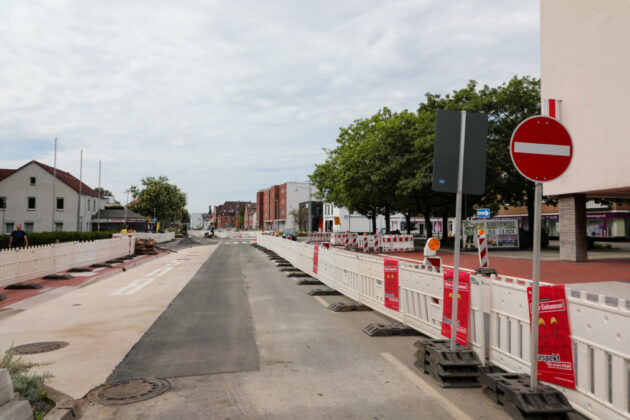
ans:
x=481 y=232
x=434 y=244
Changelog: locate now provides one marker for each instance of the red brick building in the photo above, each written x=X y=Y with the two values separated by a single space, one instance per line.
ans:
x=227 y=214
x=274 y=205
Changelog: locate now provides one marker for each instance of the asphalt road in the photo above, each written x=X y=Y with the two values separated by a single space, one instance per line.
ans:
x=206 y=329
x=243 y=341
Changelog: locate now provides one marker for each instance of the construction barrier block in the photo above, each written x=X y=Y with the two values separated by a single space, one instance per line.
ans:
x=20 y=286
x=323 y=292
x=383 y=330
x=309 y=282
x=457 y=368
x=345 y=307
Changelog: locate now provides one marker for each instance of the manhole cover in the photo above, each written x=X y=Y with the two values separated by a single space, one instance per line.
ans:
x=42 y=347
x=127 y=392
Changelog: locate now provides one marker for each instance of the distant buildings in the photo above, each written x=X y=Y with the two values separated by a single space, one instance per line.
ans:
x=276 y=206
x=227 y=214
x=26 y=198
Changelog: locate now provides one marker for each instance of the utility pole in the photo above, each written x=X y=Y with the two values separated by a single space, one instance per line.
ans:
x=98 y=216
x=310 y=214
x=80 y=181
x=54 y=199
x=126 y=205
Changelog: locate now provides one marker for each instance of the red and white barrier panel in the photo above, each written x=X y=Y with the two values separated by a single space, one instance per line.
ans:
x=397 y=243
x=338 y=239
x=483 y=249
x=319 y=237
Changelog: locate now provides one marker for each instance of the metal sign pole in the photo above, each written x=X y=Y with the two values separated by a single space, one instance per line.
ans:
x=535 y=288
x=458 y=226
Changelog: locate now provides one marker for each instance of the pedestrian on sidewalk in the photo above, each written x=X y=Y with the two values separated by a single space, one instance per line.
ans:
x=18 y=238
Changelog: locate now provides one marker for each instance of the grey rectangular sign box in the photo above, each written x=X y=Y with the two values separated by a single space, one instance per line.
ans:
x=446 y=152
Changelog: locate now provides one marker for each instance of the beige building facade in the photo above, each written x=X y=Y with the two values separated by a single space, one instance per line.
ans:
x=584 y=64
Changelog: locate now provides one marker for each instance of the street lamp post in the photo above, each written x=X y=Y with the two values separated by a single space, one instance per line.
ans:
x=310 y=215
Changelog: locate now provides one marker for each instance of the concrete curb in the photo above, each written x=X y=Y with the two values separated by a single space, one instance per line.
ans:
x=65 y=408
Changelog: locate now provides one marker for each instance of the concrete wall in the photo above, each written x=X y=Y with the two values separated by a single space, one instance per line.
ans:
x=17 y=189
x=584 y=62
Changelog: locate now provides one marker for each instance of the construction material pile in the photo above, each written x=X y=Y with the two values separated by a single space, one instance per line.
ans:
x=146 y=247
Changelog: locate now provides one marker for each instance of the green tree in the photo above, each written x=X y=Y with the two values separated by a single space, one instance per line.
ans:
x=157 y=196
x=300 y=218
x=103 y=192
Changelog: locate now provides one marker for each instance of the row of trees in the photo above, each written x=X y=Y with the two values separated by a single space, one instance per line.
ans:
x=384 y=163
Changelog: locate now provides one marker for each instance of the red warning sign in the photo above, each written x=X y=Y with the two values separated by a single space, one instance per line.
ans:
x=315 y=258
x=463 y=305
x=391 y=284
x=555 y=352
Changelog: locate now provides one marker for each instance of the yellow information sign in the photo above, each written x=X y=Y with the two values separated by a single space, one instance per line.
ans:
x=337 y=221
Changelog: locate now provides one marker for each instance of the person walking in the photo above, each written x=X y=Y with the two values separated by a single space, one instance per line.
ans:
x=18 y=238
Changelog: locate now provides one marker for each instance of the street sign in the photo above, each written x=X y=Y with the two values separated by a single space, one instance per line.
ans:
x=541 y=148
x=483 y=213
x=448 y=131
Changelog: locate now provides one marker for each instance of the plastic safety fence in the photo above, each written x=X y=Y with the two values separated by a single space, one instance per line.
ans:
x=499 y=318
x=319 y=237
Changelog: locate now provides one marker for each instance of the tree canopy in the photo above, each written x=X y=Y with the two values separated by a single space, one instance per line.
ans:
x=157 y=196
x=384 y=163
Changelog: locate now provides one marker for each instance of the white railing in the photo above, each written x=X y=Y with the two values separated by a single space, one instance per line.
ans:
x=40 y=260
x=157 y=237
x=600 y=327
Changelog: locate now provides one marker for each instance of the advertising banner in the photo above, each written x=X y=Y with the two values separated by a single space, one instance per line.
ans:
x=391 y=284
x=500 y=233
x=555 y=352
x=315 y=258
x=463 y=305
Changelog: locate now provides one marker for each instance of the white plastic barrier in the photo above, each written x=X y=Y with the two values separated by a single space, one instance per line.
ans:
x=157 y=237
x=39 y=260
x=600 y=327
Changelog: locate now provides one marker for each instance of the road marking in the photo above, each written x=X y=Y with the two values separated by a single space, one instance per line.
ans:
x=422 y=384
x=542 y=149
x=322 y=301
x=133 y=287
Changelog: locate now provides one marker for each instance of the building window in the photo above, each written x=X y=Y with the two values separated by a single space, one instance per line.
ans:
x=28 y=227
x=31 y=203
x=59 y=227
x=8 y=227
x=33 y=180
x=60 y=203
x=3 y=202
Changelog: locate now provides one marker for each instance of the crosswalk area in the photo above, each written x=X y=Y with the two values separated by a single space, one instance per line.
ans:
x=235 y=242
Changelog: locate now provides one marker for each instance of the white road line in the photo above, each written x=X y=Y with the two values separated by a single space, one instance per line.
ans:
x=164 y=271
x=542 y=149
x=133 y=287
x=322 y=301
x=422 y=384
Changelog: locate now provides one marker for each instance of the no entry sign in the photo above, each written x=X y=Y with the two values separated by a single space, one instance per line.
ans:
x=541 y=148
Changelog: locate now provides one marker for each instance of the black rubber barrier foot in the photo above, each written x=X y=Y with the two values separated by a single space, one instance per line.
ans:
x=21 y=286
x=484 y=271
x=283 y=265
x=3 y=297
x=308 y=282
x=323 y=292
x=384 y=330
x=457 y=368
x=58 y=277
x=98 y=265
x=290 y=269
x=513 y=391
x=300 y=274
x=79 y=270
x=345 y=307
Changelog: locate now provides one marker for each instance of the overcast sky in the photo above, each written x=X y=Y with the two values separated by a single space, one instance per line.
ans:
x=228 y=97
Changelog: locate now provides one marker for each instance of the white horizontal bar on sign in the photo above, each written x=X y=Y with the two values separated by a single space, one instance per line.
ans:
x=542 y=149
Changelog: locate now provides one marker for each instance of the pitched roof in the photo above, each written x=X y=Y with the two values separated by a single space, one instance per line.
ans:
x=5 y=173
x=62 y=176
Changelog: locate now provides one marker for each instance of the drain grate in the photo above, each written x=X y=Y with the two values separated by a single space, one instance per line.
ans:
x=41 y=347
x=129 y=391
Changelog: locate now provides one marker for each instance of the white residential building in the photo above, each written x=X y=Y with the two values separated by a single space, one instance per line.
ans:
x=26 y=198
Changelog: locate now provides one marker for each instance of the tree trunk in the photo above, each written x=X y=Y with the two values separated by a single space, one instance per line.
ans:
x=408 y=222
x=373 y=221
x=387 y=220
x=428 y=227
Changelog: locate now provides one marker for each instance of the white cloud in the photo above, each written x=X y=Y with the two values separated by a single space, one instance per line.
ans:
x=226 y=98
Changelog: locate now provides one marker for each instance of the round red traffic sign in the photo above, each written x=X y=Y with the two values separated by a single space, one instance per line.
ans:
x=541 y=148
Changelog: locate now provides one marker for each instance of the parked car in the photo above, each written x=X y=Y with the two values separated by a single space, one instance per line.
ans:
x=290 y=233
